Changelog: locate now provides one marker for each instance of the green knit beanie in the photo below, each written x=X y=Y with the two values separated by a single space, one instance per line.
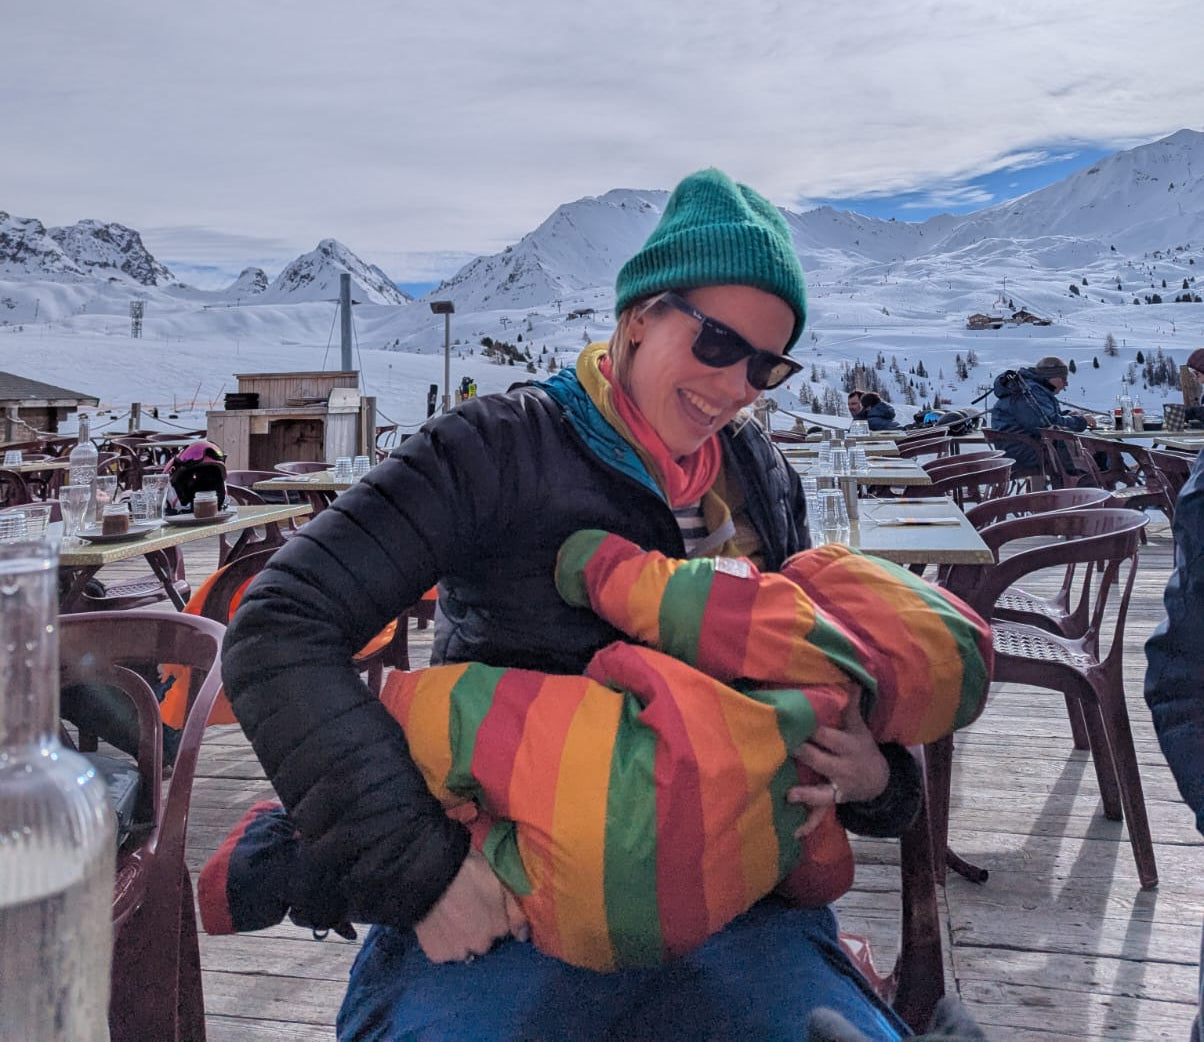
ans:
x=715 y=232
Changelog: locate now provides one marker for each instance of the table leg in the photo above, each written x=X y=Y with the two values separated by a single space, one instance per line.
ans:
x=77 y=580
x=163 y=564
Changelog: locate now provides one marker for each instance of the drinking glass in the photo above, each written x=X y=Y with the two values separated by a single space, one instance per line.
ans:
x=106 y=493
x=37 y=517
x=360 y=466
x=858 y=428
x=832 y=522
x=155 y=487
x=73 y=503
x=12 y=526
x=12 y=457
x=840 y=461
x=137 y=500
x=859 y=462
x=342 y=469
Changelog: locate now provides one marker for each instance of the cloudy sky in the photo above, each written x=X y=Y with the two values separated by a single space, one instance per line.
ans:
x=424 y=134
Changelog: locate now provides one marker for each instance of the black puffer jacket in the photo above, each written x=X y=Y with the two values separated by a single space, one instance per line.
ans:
x=480 y=501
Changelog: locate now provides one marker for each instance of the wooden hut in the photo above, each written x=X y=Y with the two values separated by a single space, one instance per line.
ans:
x=31 y=405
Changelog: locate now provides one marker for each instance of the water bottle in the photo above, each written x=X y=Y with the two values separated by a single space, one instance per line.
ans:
x=1138 y=415
x=82 y=461
x=57 y=831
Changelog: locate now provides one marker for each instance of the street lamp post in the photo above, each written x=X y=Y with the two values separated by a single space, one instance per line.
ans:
x=445 y=308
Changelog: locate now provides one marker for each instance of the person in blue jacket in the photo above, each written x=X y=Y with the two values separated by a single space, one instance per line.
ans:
x=1174 y=679
x=1026 y=401
x=878 y=414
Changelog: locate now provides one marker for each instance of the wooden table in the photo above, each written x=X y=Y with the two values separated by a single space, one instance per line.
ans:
x=1183 y=442
x=902 y=474
x=315 y=481
x=957 y=543
x=318 y=487
x=872 y=446
x=83 y=562
x=33 y=466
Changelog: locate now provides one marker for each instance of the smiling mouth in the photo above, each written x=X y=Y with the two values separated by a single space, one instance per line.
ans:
x=707 y=413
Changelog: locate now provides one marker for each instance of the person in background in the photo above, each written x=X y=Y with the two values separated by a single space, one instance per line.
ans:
x=1174 y=679
x=1192 y=379
x=1026 y=401
x=647 y=438
x=855 y=405
x=878 y=414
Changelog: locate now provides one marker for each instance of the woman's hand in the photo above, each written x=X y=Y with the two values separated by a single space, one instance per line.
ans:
x=849 y=757
x=473 y=913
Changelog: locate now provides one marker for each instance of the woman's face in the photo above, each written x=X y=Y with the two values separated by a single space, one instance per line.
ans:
x=685 y=401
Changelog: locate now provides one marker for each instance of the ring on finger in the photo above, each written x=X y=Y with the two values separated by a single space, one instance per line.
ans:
x=835 y=792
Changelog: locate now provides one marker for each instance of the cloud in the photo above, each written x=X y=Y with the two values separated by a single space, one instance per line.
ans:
x=420 y=135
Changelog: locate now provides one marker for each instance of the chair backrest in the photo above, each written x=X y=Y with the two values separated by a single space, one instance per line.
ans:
x=156 y=987
x=932 y=442
x=1097 y=538
x=13 y=489
x=987 y=513
x=247 y=478
x=1174 y=469
x=105 y=648
x=973 y=482
x=228 y=582
x=943 y=463
x=1068 y=463
x=301 y=467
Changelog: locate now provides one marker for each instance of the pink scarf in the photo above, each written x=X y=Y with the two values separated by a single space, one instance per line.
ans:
x=685 y=480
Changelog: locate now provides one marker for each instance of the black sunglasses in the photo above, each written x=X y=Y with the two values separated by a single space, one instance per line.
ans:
x=718 y=346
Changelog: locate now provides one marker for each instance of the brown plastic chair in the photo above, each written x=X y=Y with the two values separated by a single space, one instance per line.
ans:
x=916 y=982
x=301 y=467
x=973 y=482
x=1103 y=543
x=13 y=490
x=943 y=464
x=1174 y=469
x=934 y=442
x=156 y=990
x=230 y=580
x=1024 y=503
x=1026 y=478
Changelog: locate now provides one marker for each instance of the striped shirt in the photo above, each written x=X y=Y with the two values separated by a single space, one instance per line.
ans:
x=692 y=524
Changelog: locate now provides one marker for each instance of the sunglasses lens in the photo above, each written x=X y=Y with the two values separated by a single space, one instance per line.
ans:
x=765 y=374
x=718 y=347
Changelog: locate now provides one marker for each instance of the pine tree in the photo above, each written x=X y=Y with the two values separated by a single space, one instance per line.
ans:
x=1095 y=363
x=1072 y=367
x=1110 y=348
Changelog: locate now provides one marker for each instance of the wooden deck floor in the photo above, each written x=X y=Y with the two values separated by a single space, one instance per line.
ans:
x=1059 y=943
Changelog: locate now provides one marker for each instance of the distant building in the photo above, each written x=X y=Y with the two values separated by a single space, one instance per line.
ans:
x=981 y=321
x=579 y=313
x=30 y=405
x=1030 y=318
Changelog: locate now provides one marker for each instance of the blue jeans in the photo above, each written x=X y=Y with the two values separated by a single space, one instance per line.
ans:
x=758 y=979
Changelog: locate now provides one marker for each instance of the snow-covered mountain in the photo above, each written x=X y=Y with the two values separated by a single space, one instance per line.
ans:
x=315 y=276
x=104 y=249
x=250 y=283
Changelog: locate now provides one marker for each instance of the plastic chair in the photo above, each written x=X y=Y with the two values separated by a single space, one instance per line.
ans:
x=1024 y=503
x=1024 y=478
x=1174 y=470
x=225 y=588
x=933 y=442
x=916 y=982
x=935 y=467
x=973 y=482
x=156 y=991
x=301 y=467
x=13 y=490
x=1103 y=543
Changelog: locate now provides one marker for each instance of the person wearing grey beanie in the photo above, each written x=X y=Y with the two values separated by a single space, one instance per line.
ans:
x=1025 y=402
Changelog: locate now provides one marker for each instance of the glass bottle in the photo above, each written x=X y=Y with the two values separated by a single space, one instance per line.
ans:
x=1138 y=415
x=82 y=462
x=57 y=831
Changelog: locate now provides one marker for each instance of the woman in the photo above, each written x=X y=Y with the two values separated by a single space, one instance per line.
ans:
x=640 y=441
